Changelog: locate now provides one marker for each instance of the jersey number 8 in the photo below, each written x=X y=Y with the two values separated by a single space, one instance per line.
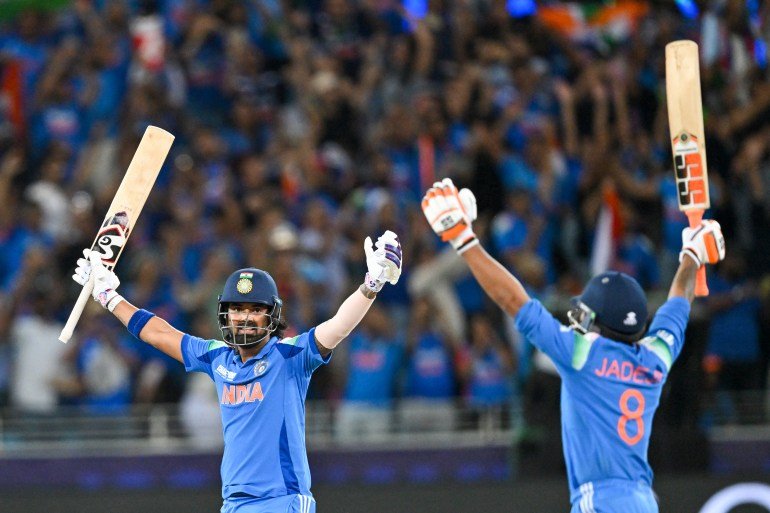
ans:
x=631 y=415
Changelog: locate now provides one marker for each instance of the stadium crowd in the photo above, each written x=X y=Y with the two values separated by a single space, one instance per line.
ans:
x=303 y=126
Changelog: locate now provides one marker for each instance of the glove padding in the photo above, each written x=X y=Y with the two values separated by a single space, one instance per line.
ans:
x=383 y=264
x=705 y=243
x=450 y=214
x=105 y=281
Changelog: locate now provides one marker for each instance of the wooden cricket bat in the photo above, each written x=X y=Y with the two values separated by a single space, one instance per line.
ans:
x=688 y=141
x=124 y=210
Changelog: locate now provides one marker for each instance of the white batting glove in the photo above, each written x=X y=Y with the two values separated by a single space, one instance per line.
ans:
x=383 y=264
x=83 y=270
x=705 y=243
x=450 y=214
x=105 y=281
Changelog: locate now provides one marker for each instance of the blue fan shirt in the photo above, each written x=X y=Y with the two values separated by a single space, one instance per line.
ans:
x=609 y=391
x=262 y=405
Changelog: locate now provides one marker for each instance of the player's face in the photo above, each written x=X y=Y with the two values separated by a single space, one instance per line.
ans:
x=248 y=319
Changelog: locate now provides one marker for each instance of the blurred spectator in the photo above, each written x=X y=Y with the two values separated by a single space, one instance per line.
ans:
x=35 y=369
x=487 y=371
x=48 y=193
x=733 y=354
x=521 y=228
x=374 y=355
x=431 y=379
x=100 y=367
x=636 y=253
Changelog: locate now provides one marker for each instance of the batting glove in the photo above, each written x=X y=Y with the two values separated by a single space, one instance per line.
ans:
x=384 y=263
x=450 y=214
x=705 y=243
x=105 y=281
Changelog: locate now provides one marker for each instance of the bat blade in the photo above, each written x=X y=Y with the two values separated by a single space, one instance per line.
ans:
x=688 y=141
x=124 y=210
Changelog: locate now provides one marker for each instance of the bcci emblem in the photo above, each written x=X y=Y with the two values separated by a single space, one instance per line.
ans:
x=260 y=369
x=244 y=285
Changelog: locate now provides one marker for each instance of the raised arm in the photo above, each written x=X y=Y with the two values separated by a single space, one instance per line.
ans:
x=684 y=280
x=141 y=323
x=383 y=266
x=499 y=284
x=156 y=332
x=450 y=214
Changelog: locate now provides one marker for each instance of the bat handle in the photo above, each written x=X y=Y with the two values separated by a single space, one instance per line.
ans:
x=77 y=311
x=701 y=287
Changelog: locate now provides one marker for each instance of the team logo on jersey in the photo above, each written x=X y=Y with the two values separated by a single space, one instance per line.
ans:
x=630 y=319
x=260 y=368
x=244 y=285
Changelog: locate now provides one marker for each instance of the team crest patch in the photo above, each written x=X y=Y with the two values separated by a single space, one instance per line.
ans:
x=260 y=368
x=244 y=285
x=630 y=319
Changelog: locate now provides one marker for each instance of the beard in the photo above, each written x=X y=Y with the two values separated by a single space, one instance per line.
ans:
x=248 y=333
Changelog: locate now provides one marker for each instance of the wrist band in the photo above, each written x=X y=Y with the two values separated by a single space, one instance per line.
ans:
x=690 y=253
x=138 y=321
x=372 y=284
x=468 y=244
x=113 y=302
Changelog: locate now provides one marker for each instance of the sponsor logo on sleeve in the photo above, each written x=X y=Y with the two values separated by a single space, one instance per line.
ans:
x=665 y=336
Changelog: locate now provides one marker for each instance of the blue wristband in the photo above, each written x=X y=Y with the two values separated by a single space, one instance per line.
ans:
x=138 y=321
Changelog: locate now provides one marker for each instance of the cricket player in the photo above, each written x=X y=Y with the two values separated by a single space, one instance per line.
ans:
x=612 y=367
x=261 y=378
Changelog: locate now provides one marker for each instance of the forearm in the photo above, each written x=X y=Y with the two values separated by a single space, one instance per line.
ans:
x=157 y=332
x=330 y=333
x=499 y=284
x=684 y=280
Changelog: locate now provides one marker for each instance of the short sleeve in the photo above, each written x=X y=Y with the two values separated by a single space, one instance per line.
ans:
x=546 y=333
x=198 y=353
x=669 y=325
x=303 y=353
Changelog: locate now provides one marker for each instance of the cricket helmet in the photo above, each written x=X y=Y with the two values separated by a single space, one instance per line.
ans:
x=615 y=303
x=251 y=286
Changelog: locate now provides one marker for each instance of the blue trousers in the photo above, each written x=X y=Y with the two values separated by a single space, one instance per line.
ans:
x=614 y=496
x=284 y=504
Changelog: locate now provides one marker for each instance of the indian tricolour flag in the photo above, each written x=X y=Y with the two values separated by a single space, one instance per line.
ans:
x=609 y=232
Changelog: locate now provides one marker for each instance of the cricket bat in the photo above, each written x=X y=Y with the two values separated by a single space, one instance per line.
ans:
x=688 y=142
x=124 y=210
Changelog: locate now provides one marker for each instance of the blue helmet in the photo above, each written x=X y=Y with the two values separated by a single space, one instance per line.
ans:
x=252 y=286
x=615 y=303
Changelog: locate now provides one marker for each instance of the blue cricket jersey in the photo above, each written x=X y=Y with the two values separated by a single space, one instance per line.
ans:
x=609 y=391
x=262 y=405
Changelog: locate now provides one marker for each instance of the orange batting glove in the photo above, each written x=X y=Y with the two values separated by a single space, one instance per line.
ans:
x=450 y=213
x=705 y=243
